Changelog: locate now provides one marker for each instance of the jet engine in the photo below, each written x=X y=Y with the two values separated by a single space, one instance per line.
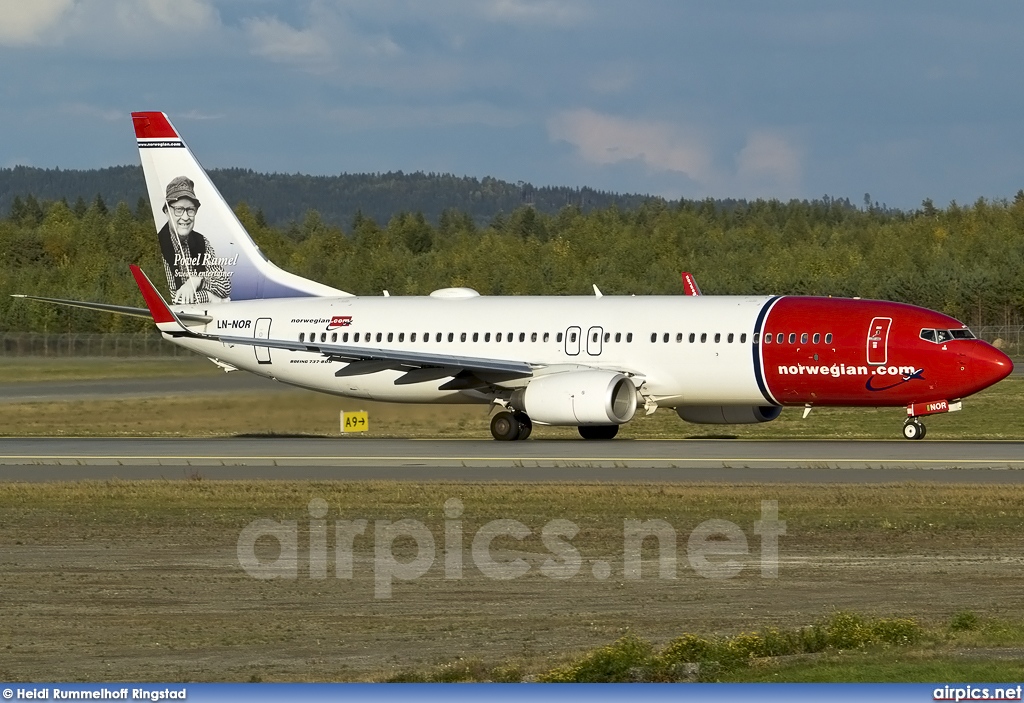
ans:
x=578 y=398
x=728 y=414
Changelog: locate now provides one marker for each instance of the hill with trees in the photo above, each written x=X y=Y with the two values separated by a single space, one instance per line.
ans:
x=285 y=198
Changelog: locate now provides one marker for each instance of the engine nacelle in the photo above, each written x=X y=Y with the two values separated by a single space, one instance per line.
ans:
x=578 y=398
x=728 y=414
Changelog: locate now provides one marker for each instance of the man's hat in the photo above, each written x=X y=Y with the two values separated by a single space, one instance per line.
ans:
x=182 y=187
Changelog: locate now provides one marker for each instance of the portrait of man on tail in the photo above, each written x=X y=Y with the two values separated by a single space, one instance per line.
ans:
x=194 y=273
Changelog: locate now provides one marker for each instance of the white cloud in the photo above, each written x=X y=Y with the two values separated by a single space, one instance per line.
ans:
x=534 y=12
x=389 y=117
x=612 y=79
x=95 y=112
x=194 y=14
x=200 y=116
x=106 y=26
x=769 y=165
x=28 y=22
x=328 y=41
x=604 y=139
x=279 y=41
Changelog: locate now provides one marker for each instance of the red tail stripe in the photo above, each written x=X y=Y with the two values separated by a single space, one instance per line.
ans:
x=157 y=307
x=152 y=125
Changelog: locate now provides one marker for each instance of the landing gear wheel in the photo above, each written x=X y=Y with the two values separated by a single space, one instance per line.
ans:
x=913 y=429
x=598 y=431
x=504 y=427
x=525 y=425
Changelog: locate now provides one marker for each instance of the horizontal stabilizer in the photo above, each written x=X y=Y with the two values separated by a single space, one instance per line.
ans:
x=116 y=309
x=165 y=318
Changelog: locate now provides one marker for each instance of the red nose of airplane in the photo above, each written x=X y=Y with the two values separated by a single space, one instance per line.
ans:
x=989 y=364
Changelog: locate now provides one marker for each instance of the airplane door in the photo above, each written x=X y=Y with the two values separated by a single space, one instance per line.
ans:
x=572 y=341
x=878 y=340
x=262 y=332
x=594 y=341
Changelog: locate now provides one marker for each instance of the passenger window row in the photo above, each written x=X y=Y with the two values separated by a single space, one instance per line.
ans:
x=937 y=336
x=805 y=338
x=729 y=338
x=366 y=337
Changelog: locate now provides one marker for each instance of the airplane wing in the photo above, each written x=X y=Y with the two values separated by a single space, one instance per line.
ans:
x=468 y=372
x=400 y=358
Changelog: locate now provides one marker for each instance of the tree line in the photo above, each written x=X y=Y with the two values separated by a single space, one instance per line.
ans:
x=284 y=198
x=967 y=261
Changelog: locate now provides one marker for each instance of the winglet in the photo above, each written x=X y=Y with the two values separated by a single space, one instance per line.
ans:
x=164 y=318
x=690 y=284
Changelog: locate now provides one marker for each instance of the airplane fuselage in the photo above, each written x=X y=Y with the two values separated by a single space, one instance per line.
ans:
x=682 y=350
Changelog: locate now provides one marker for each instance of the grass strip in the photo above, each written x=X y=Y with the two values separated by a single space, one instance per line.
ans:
x=843 y=647
x=271 y=412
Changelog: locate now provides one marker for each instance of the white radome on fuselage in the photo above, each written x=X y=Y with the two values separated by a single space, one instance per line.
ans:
x=673 y=373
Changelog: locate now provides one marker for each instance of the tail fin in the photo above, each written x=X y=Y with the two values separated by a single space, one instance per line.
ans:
x=208 y=256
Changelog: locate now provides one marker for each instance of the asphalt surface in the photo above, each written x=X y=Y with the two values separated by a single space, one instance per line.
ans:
x=200 y=384
x=347 y=458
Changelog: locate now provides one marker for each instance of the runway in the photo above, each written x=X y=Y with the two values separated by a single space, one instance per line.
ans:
x=349 y=458
x=120 y=388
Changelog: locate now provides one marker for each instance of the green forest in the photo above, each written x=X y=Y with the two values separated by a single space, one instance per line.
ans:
x=967 y=261
x=285 y=198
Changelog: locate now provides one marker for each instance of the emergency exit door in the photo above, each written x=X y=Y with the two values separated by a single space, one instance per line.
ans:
x=572 y=341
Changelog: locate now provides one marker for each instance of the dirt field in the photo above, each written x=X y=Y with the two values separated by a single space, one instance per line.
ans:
x=142 y=581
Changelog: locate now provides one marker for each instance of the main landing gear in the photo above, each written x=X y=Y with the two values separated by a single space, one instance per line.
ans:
x=510 y=426
x=507 y=427
x=598 y=431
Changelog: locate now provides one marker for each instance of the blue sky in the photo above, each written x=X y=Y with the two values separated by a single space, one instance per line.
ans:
x=724 y=99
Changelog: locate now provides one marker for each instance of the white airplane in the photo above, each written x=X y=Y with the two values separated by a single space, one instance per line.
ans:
x=583 y=361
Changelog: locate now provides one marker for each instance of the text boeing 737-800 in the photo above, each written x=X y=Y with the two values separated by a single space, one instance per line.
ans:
x=587 y=361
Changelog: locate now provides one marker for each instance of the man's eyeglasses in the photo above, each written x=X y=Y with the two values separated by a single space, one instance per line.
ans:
x=179 y=211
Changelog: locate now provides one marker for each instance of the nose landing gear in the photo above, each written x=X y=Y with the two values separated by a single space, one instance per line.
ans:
x=913 y=428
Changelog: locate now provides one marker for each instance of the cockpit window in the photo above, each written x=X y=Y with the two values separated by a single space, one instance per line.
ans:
x=943 y=336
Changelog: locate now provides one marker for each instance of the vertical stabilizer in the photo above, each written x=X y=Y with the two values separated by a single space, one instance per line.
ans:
x=208 y=256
